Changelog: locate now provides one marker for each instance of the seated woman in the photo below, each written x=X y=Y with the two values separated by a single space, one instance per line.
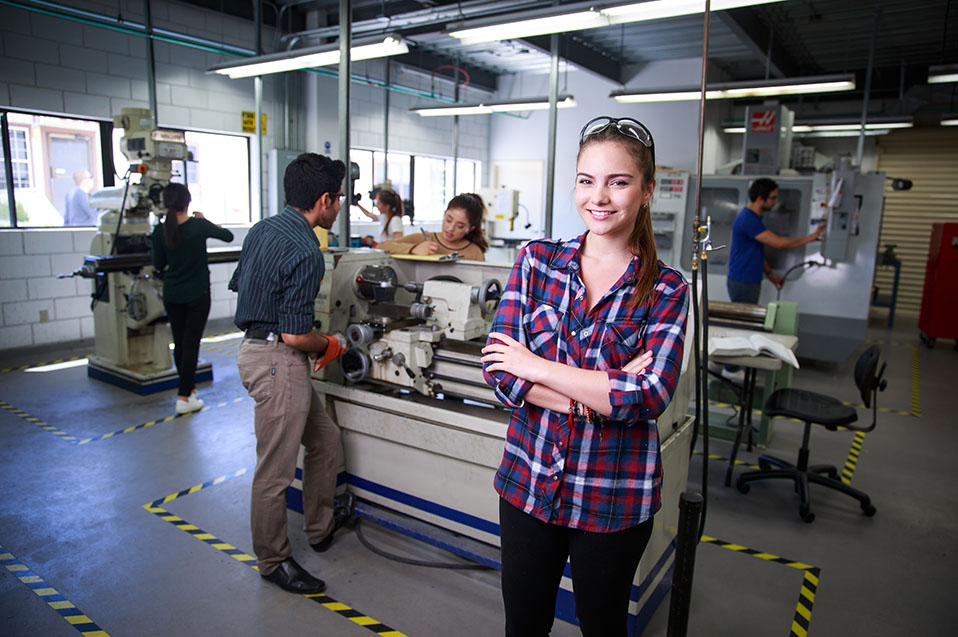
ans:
x=461 y=232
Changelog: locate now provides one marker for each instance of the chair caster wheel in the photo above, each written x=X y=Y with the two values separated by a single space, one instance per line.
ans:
x=807 y=516
x=869 y=510
x=741 y=486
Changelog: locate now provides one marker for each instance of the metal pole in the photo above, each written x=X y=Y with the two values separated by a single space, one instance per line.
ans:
x=690 y=505
x=868 y=87
x=8 y=168
x=386 y=122
x=553 y=119
x=345 y=43
x=455 y=141
x=258 y=93
x=150 y=62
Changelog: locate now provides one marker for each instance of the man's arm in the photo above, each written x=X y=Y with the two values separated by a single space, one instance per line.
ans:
x=769 y=238
x=312 y=342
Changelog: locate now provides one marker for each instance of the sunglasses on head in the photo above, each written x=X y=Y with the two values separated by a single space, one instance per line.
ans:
x=625 y=125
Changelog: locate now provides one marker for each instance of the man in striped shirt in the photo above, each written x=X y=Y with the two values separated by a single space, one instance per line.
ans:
x=277 y=279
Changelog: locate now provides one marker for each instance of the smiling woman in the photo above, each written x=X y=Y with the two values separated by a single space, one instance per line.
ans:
x=586 y=349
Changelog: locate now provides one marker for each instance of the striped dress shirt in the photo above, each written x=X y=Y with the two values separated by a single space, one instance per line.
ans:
x=606 y=475
x=278 y=275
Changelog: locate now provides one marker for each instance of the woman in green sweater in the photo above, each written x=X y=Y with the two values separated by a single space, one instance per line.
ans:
x=179 y=246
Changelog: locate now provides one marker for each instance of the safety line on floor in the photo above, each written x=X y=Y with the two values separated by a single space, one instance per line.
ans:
x=738 y=463
x=322 y=599
x=886 y=410
x=63 y=435
x=73 y=615
x=915 y=397
x=56 y=362
x=33 y=420
x=217 y=349
x=806 y=597
x=852 y=461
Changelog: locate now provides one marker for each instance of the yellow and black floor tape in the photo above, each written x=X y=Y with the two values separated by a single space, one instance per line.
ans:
x=73 y=615
x=806 y=598
x=63 y=435
x=852 y=461
x=44 y=364
x=915 y=396
x=322 y=599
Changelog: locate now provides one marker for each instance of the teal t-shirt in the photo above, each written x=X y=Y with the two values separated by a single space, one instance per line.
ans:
x=187 y=274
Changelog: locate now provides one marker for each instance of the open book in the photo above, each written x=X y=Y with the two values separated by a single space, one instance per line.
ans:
x=751 y=345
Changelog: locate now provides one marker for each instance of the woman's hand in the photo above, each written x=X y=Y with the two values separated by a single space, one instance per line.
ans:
x=198 y=215
x=425 y=248
x=512 y=357
x=638 y=364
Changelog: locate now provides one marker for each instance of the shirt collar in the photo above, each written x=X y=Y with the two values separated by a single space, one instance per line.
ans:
x=567 y=256
x=293 y=213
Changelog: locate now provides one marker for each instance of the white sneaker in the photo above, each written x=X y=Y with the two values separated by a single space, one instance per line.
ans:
x=188 y=406
x=736 y=377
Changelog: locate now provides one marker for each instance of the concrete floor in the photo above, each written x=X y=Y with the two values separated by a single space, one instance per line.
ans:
x=73 y=520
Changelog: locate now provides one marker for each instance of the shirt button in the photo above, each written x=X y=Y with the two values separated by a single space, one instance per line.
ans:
x=573 y=332
x=555 y=478
x=560 y=444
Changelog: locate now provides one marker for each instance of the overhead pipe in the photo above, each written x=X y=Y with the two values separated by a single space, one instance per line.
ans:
x=868 y=87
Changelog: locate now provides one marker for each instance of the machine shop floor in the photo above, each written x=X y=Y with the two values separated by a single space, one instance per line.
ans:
x=73 y=526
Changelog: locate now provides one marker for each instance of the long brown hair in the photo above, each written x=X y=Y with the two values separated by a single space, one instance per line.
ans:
x=475 y=213
x=642 y=239
x=176 y=197
x=392 y=199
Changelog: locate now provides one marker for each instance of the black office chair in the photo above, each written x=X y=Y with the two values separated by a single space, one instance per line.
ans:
x=810 y=408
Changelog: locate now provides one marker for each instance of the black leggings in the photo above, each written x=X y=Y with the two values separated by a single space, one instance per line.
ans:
x=534 y=556
x=187 y=321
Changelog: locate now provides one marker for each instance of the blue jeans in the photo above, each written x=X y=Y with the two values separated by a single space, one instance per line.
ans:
x=740 y=292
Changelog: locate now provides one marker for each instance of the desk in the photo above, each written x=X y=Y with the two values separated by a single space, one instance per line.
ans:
x=751 y=364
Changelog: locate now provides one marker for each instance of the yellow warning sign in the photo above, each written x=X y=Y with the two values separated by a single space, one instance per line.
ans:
x=249 y=122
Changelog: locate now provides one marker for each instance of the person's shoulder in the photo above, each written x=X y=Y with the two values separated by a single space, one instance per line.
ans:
x=670 y=280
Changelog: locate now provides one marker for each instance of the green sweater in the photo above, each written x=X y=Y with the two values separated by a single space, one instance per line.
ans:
x=187 y=275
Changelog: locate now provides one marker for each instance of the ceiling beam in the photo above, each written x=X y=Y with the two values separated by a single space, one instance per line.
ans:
x=745 y=24
x=577 y=53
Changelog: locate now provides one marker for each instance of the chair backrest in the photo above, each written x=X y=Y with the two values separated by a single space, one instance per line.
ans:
x=865 y=373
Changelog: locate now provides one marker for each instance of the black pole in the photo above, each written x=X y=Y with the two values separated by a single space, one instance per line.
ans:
x=8 y=168
x=690 y=505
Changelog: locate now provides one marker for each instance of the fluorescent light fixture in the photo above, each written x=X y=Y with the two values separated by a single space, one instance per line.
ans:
x=950 y=121
x=523 y=104
x=842 y=129
x=943 y=73
x=659 y=9
x=568 y=19
x=310 y=57
x=736 y=90
x=559 y=23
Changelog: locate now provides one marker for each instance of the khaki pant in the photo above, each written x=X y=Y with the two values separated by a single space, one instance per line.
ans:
x=288 y=412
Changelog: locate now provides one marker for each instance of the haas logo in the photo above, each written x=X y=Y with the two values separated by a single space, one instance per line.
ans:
x=763 y=122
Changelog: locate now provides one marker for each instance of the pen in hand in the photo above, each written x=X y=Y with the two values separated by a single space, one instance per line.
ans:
x=424 y=233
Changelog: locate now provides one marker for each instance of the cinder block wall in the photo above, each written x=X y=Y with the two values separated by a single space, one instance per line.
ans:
x=62 y=67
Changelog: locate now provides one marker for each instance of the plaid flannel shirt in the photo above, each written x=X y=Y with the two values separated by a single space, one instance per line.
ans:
x=603 y=476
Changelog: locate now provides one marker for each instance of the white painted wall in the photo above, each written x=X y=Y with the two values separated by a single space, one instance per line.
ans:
x=674 y=127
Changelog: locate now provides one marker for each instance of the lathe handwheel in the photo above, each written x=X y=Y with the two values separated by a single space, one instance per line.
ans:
x=491 y=290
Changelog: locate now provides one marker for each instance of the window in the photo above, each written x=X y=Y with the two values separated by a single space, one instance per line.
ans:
x=55 y=164
x=218 y=175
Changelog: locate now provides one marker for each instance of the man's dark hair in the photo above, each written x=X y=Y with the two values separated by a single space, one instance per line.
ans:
x=309 y=177
x=761 y=187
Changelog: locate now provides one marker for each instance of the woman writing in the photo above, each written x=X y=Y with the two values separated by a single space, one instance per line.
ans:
x=586 y=348
x=389 y=205
x=179 y=246
x=461 y=232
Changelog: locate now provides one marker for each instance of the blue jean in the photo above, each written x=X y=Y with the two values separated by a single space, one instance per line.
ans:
x=740 y=292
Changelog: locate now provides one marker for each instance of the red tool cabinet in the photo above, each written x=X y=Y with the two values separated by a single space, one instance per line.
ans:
x=939 y=300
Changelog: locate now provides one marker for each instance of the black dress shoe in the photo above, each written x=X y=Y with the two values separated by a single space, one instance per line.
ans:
x=292 y=577
x=342 y=512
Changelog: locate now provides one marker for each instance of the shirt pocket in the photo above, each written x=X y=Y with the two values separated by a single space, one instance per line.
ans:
x=620 y=343
x=542 y=330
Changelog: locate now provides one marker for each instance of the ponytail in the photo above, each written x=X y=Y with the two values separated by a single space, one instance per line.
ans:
x=176 y=198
